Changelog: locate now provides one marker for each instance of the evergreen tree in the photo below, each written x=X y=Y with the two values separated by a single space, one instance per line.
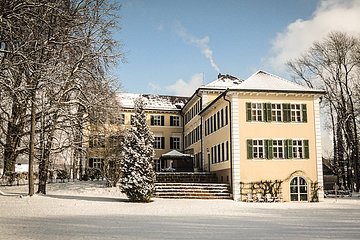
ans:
x=137 y=170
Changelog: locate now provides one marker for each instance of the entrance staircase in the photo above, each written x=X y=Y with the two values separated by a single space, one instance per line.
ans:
x=191 y=186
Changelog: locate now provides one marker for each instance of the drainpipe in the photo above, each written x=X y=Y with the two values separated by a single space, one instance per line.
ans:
x=230 y=143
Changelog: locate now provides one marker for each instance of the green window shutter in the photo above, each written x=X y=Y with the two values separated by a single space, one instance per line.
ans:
x=264 y=112
x=268 y=149
x=304 y=113
x=306 y=149
x=248 y=112
x=268 y=109
x=249 y=149
x=286 y=112
x=151 y=120
x=288 y=149
x=268 y=112
x=162 y=121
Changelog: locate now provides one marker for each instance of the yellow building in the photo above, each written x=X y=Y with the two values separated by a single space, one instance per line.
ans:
x=261 y=134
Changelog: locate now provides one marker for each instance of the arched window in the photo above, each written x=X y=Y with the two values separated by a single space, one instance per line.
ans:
x=298 y=189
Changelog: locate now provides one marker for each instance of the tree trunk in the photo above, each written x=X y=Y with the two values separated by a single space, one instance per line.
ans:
x=13 y=137
x=32 y=144
x=45 y=160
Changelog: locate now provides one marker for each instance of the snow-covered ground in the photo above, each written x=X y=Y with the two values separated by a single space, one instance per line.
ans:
x=88 y=210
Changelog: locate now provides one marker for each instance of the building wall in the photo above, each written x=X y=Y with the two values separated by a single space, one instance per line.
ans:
x=253 y=170
x=165 y=132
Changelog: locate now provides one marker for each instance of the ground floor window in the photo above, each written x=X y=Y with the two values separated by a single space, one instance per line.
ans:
x=96 y=162
x=298 y=189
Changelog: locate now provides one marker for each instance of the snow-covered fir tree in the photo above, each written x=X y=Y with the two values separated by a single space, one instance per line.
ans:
x=137 y=170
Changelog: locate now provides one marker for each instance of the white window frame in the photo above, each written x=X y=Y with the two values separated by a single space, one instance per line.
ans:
x=156 y=120
x=258 y=148
x=298 y=149
x=175 y=121
x=296 y=113
x=176 y=142
x=278 y=149
x=276 y=112
x=157 y=142
x=257 y=112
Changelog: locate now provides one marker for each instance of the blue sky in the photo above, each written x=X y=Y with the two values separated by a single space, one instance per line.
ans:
x=175 y=46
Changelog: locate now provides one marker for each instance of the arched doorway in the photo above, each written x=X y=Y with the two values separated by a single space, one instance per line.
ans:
x=298 y=189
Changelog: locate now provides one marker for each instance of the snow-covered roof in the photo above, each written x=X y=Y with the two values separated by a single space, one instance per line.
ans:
x=263 y=81
x=224 y=82
x=153 y=102
x=175 y=154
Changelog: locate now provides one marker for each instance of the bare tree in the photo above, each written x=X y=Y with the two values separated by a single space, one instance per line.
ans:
x=334 y=65
x=56 y=52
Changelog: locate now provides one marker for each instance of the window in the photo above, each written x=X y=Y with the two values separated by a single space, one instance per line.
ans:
x=278 y=149
x=227 y=150
x=115 y=141
x=175 y=142
x=223 y=152
x=295 y=113
x=97 y=141
x=174 y=121
x=298 y=189
x=159 y=143
x=269 y=149
x=157 y=120
x=256 y=112
x=276 y=112
x=226 y=115
x=121 y=119
x=297 y=148
x=96 y=162
x=258 y=149
x=132 y=119
x=222 y=118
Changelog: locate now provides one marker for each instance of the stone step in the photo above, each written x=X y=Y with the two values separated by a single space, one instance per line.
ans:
x=193 y=190
x=192 y=184
x=185 y=177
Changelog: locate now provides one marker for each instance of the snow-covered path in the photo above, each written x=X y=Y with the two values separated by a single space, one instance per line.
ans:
x=86 y=210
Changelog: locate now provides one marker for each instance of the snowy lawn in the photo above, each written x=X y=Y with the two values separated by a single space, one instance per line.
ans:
x=87 y=210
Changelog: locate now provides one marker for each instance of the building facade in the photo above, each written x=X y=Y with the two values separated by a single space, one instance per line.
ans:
x=259 y=134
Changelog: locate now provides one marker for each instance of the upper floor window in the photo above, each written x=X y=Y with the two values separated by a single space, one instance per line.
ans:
x=159 y=143
x=174 y=142
x=256 y=112
x=96 y=163
x=276 y=112
x=175 y=121
x=278 y=148
x=121 y=119
x=295 y=113
x=157 y=120
x=97 y=141
x=258 y=148
x=297 y=149
x=115 y=141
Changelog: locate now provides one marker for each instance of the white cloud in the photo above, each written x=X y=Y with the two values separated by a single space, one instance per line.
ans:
x=181 y=87
x=202 y=43
x=331 y=15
